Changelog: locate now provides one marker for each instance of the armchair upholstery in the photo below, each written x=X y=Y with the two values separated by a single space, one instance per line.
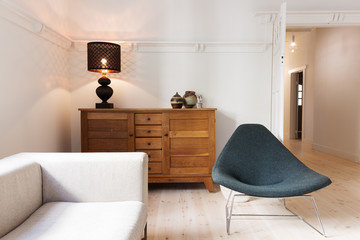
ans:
x=255 y=163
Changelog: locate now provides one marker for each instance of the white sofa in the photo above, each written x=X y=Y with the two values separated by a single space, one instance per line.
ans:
x=73 y=196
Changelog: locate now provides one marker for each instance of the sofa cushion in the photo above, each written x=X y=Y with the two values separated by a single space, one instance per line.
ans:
x=114 y=177
x=90 y=221
x=20 y=192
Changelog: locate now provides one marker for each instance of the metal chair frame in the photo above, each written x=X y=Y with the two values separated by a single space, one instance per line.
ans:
x=229 y=213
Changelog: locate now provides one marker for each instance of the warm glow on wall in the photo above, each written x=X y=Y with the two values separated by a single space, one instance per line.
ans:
x=292 y=44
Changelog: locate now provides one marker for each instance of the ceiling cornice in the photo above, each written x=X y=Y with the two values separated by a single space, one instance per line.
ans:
x=184 y=47
x=13 y=14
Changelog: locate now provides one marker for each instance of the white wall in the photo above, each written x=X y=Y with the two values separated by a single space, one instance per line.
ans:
x=336 y=92
x=52 y=13
x=35 y=100
x=303 y=56
x=165 y=20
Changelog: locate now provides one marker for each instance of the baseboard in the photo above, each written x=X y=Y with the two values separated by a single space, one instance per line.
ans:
x=307 y=141
x=336 y=152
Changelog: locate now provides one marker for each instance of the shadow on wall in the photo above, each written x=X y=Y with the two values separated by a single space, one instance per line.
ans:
x=133 y=82
x=224 y=127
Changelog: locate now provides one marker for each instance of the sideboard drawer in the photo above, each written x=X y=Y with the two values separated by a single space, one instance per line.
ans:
x=148 y=118
x=148 y=131
x=154 y=168
x=153 y=155
x=148 y=143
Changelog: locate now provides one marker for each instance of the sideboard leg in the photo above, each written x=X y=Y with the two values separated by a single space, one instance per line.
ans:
x=209 y=184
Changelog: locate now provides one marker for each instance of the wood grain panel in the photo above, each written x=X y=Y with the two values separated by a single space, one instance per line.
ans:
x=144 y=118
x=189 y=151
x=188 y=134
x=103 y=134
x=153 y=155
x=148 y=143
x=148 y=131
x=102 y=115
x=189 y=115
x=111 y=125
x=188 y=161
x=189 y=125
x=184 y=143
x=104 y=145
x=189 y=171
x=155 y=168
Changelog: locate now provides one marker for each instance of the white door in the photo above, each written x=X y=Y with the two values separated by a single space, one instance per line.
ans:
x=277 y=84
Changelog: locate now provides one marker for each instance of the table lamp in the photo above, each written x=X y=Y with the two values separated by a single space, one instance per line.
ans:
x=104 y=57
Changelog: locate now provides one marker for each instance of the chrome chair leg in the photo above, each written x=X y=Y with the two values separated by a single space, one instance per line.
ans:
x=229 y=213
x=322 y=232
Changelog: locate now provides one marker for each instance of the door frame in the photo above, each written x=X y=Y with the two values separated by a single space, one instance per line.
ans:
x=298 y=70
x=277 y=73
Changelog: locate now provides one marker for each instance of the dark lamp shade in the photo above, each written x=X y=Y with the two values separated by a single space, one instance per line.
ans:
x=103 y=56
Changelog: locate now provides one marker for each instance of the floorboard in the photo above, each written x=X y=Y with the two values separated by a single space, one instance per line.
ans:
x=189 y=211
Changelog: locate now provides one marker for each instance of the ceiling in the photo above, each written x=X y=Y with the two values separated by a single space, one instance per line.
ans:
x=162 y=19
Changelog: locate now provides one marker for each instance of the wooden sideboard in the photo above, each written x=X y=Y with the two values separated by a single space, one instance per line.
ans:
x=180 y=143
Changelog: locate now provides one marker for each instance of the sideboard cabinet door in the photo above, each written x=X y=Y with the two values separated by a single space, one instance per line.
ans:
x=191 y=145
x=107 y=132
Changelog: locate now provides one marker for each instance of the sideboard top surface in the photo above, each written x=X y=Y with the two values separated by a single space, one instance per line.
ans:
x=144 y=109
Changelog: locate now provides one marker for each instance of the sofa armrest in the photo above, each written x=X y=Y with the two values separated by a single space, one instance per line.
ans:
x=93 y=177
x=20 y=192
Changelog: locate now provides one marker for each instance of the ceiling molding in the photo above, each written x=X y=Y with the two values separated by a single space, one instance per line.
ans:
x=13 y=14
x=185 y=47
x=314 y=19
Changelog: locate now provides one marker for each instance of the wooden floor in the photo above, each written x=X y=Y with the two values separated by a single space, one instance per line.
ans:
x=189 y=211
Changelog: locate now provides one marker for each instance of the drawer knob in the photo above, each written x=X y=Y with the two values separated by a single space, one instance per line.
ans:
x=166 y=134
x=148 y=131
x=149 y=156
x=149 y=168
x=148 y=119
x=149 y=143
x=131 y=134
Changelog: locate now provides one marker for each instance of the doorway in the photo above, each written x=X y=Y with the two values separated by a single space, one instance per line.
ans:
x=296 y=104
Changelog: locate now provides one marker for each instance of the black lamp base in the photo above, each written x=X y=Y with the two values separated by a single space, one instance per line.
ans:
x=104 y=105
x=104 y=92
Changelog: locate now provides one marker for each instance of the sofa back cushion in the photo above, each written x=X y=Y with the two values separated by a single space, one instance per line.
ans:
x=20 y=192
x=92 y=177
